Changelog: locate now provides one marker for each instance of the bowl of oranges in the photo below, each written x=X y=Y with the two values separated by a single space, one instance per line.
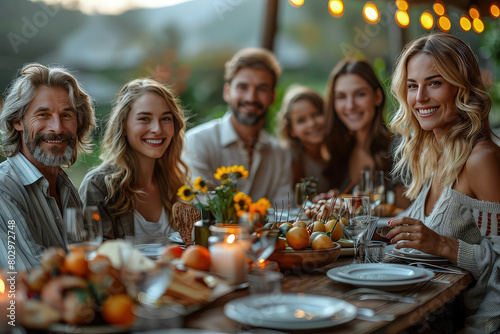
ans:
x=306 y=246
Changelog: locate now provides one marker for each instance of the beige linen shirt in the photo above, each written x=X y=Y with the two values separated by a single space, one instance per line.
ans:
x=216 y=143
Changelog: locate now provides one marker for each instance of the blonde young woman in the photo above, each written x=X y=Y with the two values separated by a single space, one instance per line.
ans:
x=451 y=167
x=302 y=129
x=135 y=186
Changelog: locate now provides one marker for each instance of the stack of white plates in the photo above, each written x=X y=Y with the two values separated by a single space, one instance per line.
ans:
x=414 y=255
x=385 y=276
x=290 y=311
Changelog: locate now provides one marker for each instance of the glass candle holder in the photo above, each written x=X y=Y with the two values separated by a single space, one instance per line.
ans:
x=227 y=245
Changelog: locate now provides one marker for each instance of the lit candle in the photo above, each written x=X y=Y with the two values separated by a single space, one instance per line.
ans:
x=4 y=305
x=229 y=259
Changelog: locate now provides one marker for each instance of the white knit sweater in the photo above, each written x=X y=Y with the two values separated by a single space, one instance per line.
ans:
x=476 y=226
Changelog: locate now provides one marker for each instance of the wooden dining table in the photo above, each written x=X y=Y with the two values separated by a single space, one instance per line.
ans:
x=431 y=296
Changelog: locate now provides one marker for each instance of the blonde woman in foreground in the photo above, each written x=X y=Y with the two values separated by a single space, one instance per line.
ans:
x=451 y=167
x=136 y=184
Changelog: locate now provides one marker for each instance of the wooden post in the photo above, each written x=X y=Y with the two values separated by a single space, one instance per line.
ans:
x=270 y=24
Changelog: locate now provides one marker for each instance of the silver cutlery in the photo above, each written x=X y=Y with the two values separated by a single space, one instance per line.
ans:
x=436 y=268
x=392 y=298
x=369 y=315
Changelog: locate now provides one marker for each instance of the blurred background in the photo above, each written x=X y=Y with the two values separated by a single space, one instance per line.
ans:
x=185 y=43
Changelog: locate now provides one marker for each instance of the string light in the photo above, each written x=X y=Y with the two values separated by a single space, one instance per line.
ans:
x=402 y=5
x=478 y=25
x=336 y=8
x=296 y=3
x=371 y=14
x=439 y=8
x=465 y=23
x=444 y=23
x=427 y=20
x=494 y=10
x=402 y=18
x=473 y=12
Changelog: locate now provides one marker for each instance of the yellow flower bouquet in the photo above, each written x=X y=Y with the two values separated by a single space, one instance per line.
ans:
x=225 y=202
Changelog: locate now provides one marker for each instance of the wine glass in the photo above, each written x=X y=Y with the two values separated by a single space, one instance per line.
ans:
x=371 y=183
x=83 y=230
x=356 y=211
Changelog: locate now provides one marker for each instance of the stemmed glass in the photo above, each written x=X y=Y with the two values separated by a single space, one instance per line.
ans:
x=356 y=211
x=372 y=184
x=83 y=230
x=262 y=245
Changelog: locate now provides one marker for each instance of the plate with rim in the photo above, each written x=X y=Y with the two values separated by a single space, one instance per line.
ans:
x=416 y=253
x=391 y=251
x=382 y=272
x=392 y=285
x=290 y=311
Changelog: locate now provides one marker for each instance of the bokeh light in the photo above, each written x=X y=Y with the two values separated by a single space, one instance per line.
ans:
x=427 y=20
x=296 y=3
x=336 y=8
x=474 y=12
x=439 y=8
x=402 y=18
x=371 y=14
x=402 y=5
x=494 y=10
x=444 y=23
x=478 y=25
x=465 y=23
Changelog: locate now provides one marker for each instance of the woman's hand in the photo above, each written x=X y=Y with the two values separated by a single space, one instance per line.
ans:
x=412 y=233
x=326 y=196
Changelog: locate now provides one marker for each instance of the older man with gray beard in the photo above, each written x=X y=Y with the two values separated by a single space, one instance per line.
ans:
x=45 y=122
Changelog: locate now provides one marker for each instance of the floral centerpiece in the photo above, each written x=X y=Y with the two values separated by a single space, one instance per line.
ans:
x=225 y=202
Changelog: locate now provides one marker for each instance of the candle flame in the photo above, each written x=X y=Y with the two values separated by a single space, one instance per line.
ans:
x=231 y=238
x=2 y=286
x=96 y=216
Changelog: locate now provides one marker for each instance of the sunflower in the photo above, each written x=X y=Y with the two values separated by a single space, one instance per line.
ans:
x=222 y=173
x=239 y=171
x=186 y=193
x=201 y=185
x=261 y=206
x=241 y=203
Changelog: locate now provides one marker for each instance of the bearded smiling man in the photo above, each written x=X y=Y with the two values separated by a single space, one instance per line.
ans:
x=45 y=122
x=239 y=137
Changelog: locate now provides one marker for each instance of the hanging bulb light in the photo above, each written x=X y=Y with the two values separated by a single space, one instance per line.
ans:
x=402 y=18
x=296 y=3
x=336 y=8
x=474 y=12
x=371 y=14
x=427 y=20
x=465 y=23
x=402 y=5
x=444 y=23
x=478 y=25
x=439 y=7
x=495 y=10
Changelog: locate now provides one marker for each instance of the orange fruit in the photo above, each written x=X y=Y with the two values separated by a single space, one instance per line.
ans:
x=197 y=257
x=322 y=241
x=300 y=224
x=76 y=264
x=318 y=226
x=337 y=232
x=297 y=238
x=280 y=244
x=118 y=310
x=172 y=252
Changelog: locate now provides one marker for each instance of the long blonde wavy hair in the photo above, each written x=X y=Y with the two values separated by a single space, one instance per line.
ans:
x=418 y=151
x=117 y=156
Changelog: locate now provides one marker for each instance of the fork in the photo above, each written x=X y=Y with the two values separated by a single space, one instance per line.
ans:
x=439 y=278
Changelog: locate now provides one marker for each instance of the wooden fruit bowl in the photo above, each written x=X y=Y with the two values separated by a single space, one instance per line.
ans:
x=306 y=259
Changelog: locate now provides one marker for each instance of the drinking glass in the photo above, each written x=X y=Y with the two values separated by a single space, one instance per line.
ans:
x=83 y=230
x=300 y=193
x=356 y=211
x=372 y=184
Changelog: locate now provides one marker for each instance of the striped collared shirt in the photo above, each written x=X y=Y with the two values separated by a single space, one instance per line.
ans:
x=30 y=219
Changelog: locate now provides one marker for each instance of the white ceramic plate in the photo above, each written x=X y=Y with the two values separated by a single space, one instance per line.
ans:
x=175 y=237
x=393 y=285
x=290 y=311
x=381 y=272
x=391 y=251
x=150 y=250
x=415 y=253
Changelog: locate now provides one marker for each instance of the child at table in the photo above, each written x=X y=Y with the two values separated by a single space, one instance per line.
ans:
x=301 y=128
x=136 y=184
